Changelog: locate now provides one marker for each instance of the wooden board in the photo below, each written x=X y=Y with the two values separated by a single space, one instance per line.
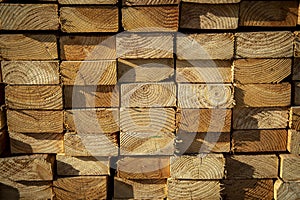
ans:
x=290 y=167
x=212 y=1
x=260 y=118
x=30 y=72
x=297 y=93
x=293 y=143
x=145 y=19
x=89 y=72
x=263 y=95
x=272 y=44
x=92 y=120
x=261 y=70
x=148 y=2
x=144 y=45
x=37 y=167
x=25 y=190
x=259 y=140
x=141 y=70
x=268 y=13
x=143 y=167
x=206 y=46
x=34 y=97
x=286 y=191
x=86 y=2
x=140 y=189
x=248 y=189
x=91 y=96
x=205 y=96
x=36 y=143
x=251 y=166
x=33 y=121
x=194 y=143
x=89 y=19
x=2 y=118
x=92 y=187
x=3 y=143
x=87 y=47
x=203 y=71
x=209 y=16
x=148 y=94
x=201 y=167
x=74 y=166
x=296 y=69
x=28 y=47
x=204 y=120
x=29 y=17
x=90 y=144
x=297 y=44
x=193 y=189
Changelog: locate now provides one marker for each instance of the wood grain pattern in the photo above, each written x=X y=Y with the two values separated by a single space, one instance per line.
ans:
x=74 y=166
x=81 y=187
x=144 y=45
x=204 y=120
x=36 y=143
x=32 y=121
x=29 y=17
x=205 y=46
x=205 y=96
x=263 y=95
x=293 y=143
x=248 y=189
x=261 y=70
x=142 y=70
x=259 y=140
x=273 y=44
x=92 y=120
x=210 y=166
x=297 y=44
x=89 y=19
x=209 y=16
x=251 y=166
x=37 y=167
x=297 y=93
x=212 y=1
x=87 y=47
x=30 y=72
x=289 y=167
x=193 y=189
x=143 y=167
x=296 y=69
x=260 y=118
x=2 y=119
x=148 y=2
x=86 y=2
x=89 y=72
x=268 y=13
x=203 y=71
x=140 y=189
x=145 y=19
x=28 y=47
x=90 y=144
x=148 y=94
x=286 y=191
x=34 y=97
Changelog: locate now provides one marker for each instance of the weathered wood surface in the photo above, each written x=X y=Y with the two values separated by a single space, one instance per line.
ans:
x=3 y=142
x=261 y=70
x=34 y=121
x=260 y=118
x=259 y=140
x=146 y=19
x=209 y=16
x=290 y=167
x=30 y=72
x=148 y=95
x=297 y=93
x=201 y=167
x=36 y=143
x=293 y=143
x=143 y=167
x=251 y=166
x=28 y=47
x=74 y=166
x=205 y=46
x=90 y=144
x=2 y=118
x=89 y=19
x=272 y=44
x=81 y=187
x=286 y=191
x=212 y=1
x=296 y=69
x=86 y=2
x=268 y=13
x=28 y=17
x=205 y=96
x=140 y=189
